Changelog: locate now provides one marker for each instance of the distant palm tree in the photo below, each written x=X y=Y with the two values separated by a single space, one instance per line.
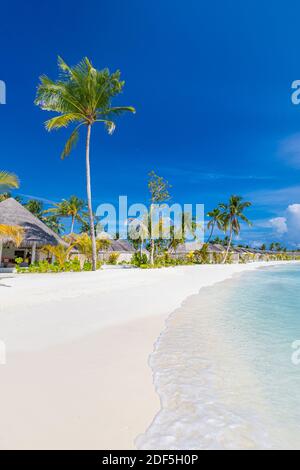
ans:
x=217 y=241
x=35 y=207
x=232 y=213
x=53 y=222
x=215 y=220
x=82 y=95
x=71 y=207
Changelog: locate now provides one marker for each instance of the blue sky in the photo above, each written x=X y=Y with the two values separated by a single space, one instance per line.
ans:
x=211 y=82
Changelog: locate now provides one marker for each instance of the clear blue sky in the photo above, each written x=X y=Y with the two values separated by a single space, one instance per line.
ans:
x=211 y=82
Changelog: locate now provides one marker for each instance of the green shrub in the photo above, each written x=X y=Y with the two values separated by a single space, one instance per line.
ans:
x=217 y=258
x=69 y=266
x=138 y=259
x=87 y=266
x=113 y=258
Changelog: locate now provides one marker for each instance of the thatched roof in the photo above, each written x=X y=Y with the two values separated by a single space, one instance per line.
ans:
x=121 y=246
x=216 y=248
x=13 y=213
x=185 y=248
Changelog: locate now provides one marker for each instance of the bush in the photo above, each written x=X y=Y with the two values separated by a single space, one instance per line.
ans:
x=69 y=266
x=87 y=266
x=113 y=258
x=139 y=259
x=217 y=258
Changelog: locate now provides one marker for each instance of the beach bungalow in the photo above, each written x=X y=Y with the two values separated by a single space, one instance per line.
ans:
x=36 y=235
x=216 y=252
x=122 y=247
x=185 y=248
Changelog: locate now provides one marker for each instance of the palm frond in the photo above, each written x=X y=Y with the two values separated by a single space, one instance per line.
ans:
x=70 y=144
x=14 y=233
x=117 y=111
x=64 y=120
x=8 y=180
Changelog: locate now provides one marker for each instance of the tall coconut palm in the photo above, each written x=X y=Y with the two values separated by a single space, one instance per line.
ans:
x=82 y=96
x=232 y=213
x=71 y=207
x=216 y=220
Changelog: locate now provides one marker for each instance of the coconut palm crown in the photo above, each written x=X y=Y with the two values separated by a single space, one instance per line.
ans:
x=232 y=213
x=81 y=96
x=71 y=207
x=216 y=220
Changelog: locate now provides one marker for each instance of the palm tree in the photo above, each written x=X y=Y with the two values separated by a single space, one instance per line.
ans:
x=72 y=207
x=84 y=244
x=53 y=222
x=14 y=233
x=35 y=207
x=138 y=231
x=61 y=253
x=215 y=220
x=82 y=95
x=232 y=213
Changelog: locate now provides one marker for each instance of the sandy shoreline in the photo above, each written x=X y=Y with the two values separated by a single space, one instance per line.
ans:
x=77 y=373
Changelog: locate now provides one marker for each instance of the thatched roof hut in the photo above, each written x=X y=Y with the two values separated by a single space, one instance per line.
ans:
x=35 y=231
x=121 y=246
x=187 y=247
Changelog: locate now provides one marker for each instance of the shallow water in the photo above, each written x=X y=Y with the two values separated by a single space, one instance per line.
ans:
x=223 y=367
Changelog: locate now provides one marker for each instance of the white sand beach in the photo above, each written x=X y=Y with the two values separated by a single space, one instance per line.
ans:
x=77 y=348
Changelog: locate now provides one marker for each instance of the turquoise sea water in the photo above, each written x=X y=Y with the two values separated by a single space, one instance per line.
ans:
x=223 y=367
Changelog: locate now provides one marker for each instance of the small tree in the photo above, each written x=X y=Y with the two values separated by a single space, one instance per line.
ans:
x=216 y=220
x=72 y=207
x=232 y=213
x=159 y=193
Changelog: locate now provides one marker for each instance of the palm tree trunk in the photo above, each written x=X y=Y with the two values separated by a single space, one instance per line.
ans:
x=141 y=247
x=211 y=233
x=152 y=252
x=89 y=198
x=72 y=225
x=228 y=246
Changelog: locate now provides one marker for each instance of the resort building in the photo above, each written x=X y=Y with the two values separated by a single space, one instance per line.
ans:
x=36 y=235
x=122 y=247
